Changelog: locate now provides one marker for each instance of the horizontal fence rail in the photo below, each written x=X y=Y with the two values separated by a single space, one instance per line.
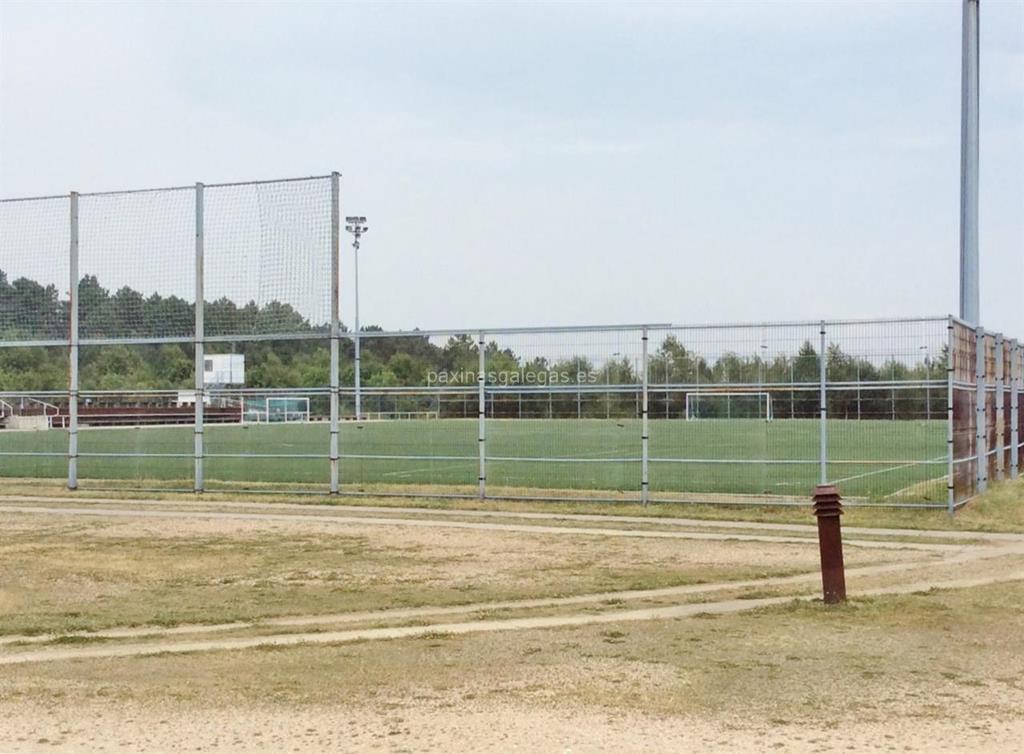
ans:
x=190 y=338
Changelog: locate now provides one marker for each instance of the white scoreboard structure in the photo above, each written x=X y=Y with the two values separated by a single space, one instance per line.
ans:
x=219 y=370
x=222 y=369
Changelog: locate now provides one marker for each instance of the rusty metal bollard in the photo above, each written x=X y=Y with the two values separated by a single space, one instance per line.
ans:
x=828 y=507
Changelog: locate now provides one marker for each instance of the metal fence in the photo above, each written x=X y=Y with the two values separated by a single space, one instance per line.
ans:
x=113 y=307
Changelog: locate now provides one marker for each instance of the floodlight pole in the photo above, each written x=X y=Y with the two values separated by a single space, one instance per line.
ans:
x=969 y=90
x=357 y=226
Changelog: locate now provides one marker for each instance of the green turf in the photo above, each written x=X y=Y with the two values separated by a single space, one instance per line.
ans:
x=871 y=459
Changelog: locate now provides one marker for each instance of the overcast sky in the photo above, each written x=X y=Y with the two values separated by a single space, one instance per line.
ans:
x=529 y=164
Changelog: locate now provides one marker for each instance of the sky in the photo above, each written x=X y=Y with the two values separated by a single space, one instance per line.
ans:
x=554 y=164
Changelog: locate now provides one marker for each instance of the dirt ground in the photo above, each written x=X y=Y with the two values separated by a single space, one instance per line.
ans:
x=678 y=643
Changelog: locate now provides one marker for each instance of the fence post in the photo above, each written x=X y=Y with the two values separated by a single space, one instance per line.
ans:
x=1000 y=417
x=481 y=376
x=73 y=350
x=335 y=323
x=823 y=408
x=200 y=345
x=644 y=485
x=1015 y=384
x=981 y=415
x=950 y=487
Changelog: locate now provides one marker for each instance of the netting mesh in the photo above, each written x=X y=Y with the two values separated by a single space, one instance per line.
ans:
x=268 y=257
x=34 y=269
x=137 y=264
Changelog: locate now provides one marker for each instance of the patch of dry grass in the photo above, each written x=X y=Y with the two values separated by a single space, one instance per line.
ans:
x=65 y=574
x=925 y=656
x=1000 y=509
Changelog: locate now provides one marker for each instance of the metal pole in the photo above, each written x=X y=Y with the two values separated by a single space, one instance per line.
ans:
x=668 y=381
x=358 y=338
x=1000 y=410
x=823 y=409
x=607 y=391
x=858 y=388
x=200 y=354
x=73 y=350
x=981 y=415
x=950 y=486
x=696 y=410
x=1015 y=384
x=969 y=286
x=892 y=390
x=644 y=480
x=792 y=392
x=928 y=388
x=481 y=375
x=335 y=324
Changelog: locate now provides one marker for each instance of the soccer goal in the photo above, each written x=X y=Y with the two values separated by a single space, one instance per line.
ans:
x=277 y=409
x=729 y=405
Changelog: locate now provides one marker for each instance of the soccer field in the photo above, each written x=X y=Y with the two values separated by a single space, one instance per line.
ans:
x=870 y=459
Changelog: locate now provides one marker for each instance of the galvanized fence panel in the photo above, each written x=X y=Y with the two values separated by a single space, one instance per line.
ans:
x=564 y=412
x=124 y=314
x=419 y=414
x=887 y=390
x=736 y=411
x=964 y=360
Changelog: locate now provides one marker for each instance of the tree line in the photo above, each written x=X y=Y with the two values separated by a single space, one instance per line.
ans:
x=31 y=310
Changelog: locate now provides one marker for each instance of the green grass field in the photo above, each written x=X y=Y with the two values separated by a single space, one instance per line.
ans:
x=871 y=459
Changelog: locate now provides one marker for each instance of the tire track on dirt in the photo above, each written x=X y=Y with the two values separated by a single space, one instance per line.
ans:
x=475 y=525
x=470 y=627
x=413 y=613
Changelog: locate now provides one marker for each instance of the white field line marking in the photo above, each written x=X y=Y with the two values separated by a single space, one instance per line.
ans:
x=427 y=469
x=909 y=488
x=886 y=470
x=469 y=627
x=709 y=523
x=477 y=525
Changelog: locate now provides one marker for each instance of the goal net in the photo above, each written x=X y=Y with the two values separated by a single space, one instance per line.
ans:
x=729 y=405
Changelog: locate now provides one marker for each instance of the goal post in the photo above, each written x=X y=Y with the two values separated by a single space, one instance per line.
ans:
x=288 y=408
x=729 y=405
